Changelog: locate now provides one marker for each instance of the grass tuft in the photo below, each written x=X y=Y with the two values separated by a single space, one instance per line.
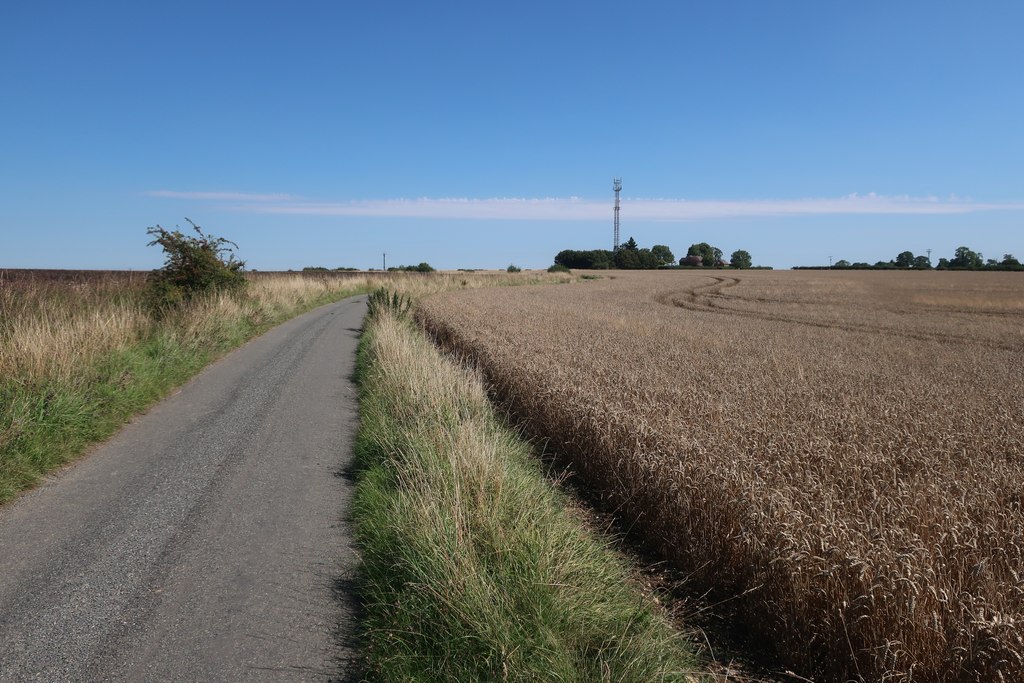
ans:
x=476 y=567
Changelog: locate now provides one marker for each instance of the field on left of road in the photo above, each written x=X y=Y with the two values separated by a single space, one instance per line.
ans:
x=80 y=353
x=205 y=540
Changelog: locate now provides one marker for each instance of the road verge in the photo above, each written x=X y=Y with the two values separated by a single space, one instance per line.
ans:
x=76 y=363
x=475 y=566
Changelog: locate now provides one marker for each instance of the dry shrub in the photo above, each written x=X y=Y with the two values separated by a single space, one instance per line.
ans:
x=844 y=458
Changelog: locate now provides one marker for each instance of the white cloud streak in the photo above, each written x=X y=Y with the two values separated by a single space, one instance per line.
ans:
x=576 y=209
x=221 y=196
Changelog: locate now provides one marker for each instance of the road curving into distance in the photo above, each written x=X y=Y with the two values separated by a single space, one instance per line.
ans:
x=205 y=541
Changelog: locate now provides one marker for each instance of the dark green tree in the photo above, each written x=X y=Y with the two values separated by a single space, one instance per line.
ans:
x=965 y=258
x=1009 y=260
x=648 y=260
x=905 y=259
x=627 y=259
x=193 y=265
x=922 y=262
x=663 y=254
x=842 y=264
x=585 y=260
x=741 y=259
x=421 y=268
x=709 y=255
x=630 y=245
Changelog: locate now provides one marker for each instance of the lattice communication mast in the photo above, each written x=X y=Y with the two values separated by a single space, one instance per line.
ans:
x=617 y=186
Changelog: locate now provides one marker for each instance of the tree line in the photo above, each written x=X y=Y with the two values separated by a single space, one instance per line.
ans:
x=964 y=258
x=631 y=256
x=421 y=268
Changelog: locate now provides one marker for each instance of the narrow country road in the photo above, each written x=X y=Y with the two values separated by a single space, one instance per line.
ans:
x=207 y=541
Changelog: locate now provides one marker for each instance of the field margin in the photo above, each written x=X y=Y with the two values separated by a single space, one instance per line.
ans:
x=50 y=419
x=476 y=567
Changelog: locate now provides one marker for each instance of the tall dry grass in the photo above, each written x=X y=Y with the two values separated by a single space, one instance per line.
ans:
x=49 y=329
x=476 y=569
x=81 y=354
x=840 y=460
x=55 y=331
x=53 y=328
x=81 y=351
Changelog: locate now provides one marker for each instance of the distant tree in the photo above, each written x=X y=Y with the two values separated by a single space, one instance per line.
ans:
x=629 y=256
x=648 y=260
x=513 y=268
x=314 y=269
x=628 y=259
x=884 y=265
x=585 y=260
x=842 y=264
x=557 y=268
x=709 y=255
x=943 y=264
x=663 y=254
x=905 y=259
x=1009 y=260
x=991 y=263
x=421 y=268
x=691 y=260
x=922 y=262
x=965 y=258
x=741 y=259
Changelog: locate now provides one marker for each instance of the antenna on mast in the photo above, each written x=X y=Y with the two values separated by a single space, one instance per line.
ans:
x=617 y=186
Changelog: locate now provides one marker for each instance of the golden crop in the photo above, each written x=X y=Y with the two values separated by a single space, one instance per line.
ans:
x=843 y=451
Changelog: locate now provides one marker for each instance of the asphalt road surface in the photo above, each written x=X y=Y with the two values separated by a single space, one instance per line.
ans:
x=207 y=540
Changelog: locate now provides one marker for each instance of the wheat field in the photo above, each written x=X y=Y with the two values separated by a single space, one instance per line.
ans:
x=840 y=454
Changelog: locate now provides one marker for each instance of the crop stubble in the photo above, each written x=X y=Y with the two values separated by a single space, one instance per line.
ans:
x=847 y=447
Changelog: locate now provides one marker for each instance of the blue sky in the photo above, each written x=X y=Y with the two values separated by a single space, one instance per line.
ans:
x=472 y=134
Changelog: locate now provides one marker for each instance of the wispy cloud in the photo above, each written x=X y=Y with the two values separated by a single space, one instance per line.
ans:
x=222 y=196
x=576 y=209
x=481 y=209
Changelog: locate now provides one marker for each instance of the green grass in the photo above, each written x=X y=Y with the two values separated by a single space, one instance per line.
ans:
x=476 y=568
x=46 y=425
x=47 y=420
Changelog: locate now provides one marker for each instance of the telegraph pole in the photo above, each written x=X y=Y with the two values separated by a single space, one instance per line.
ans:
x=384 y=267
